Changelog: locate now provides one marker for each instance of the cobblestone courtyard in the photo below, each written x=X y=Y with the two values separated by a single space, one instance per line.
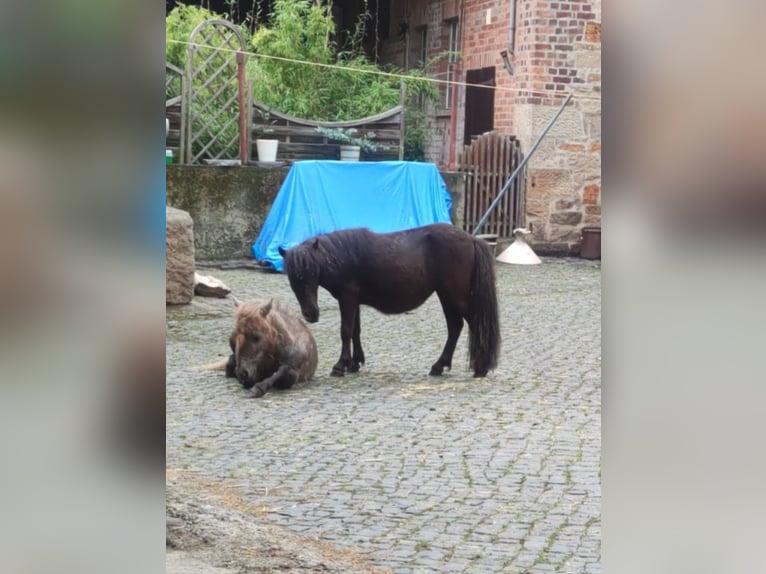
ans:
x=420 y=474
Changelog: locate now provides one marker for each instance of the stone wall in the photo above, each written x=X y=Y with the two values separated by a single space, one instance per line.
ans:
x=230 y=204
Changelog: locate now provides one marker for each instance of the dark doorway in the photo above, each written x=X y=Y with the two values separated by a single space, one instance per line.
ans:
x=479 y=103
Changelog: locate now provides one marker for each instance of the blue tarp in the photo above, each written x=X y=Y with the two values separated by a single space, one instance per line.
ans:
x=324 y=196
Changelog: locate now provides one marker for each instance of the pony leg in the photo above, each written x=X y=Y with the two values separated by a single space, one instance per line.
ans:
x=348 y=308
x=358 y=357
x=454 y=327
x=231 y=366
x=283 y=377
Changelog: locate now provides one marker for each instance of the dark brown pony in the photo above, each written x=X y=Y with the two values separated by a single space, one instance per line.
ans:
x=397 y=272
x=270 y=348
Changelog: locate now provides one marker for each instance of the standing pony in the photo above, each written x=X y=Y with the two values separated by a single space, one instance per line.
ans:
x=270 y=348
x=397 y=272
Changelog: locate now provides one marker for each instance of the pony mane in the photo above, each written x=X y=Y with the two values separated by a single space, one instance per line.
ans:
x=336 y=250
x=272 y=326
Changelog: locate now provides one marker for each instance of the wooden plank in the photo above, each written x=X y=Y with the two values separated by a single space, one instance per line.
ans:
x=495 y=189
x=464 y=162
x=508 y=220
x=469 y=198
x=517 y=184
x=392 y=115
x=502 y=215
x=482 y=143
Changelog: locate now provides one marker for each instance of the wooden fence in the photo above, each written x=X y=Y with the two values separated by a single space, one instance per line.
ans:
x=299 y=139
x=488 y=163
x=175 y=85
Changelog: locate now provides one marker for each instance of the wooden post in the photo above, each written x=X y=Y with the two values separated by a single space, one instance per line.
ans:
x=453 y=115
x=242 y=109
x=402 y=125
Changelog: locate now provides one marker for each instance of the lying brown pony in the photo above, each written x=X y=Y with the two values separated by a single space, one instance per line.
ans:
x=270 y=347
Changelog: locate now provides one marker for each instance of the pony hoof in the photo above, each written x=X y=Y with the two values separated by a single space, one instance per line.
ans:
x=354 y=368
x=337 y=373
x=436 y=371
x=258 y=392
x=479 y=374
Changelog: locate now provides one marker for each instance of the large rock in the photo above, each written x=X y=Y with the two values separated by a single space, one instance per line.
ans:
x=179 y=256
x=208 y=286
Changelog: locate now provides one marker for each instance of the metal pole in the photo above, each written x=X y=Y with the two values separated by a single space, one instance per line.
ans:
x=517 y=171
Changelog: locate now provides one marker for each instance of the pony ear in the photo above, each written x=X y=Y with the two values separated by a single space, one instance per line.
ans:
x=236 y=301
x=281 y=250
x=315 y=243
x=266 y=308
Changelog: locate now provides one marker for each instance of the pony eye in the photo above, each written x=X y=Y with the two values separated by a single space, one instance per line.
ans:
x=255 y=337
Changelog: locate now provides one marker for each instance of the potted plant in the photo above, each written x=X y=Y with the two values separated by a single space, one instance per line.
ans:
x=352 y=144
x=266 y=147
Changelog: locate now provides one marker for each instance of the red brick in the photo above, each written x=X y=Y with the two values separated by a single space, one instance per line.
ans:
x=593 y=32
x=572 y=147
x=595 y=146
x=590 y=194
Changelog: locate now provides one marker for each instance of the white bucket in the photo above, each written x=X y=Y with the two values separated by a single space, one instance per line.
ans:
x=267 y=149
x=349 y=153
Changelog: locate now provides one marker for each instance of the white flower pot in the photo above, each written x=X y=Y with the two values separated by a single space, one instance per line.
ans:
x=349 y=152
x=267 y=149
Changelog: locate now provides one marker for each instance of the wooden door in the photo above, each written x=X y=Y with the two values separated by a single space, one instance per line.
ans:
x=479 y=103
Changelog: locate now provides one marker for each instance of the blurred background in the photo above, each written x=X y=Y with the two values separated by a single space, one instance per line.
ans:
x=683 y=263
x=81 y=294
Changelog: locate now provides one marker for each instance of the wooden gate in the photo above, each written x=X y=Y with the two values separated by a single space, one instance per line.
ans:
x=488 y=163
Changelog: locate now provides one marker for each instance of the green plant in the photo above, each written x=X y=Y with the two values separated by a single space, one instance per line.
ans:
x=417 y=124
x=348 y=136
x=179 y=24
x=302 y=30
x=263 y=128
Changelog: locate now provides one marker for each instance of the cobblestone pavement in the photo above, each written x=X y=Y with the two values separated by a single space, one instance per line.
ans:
x=420 y=474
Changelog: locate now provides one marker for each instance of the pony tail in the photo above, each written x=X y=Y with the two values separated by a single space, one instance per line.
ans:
x=484 y=324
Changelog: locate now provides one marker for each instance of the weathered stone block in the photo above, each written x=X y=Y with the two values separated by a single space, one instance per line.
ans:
x=565 y=204
x=179 y=256
x=549 y=183
x=537 y=209
x=564 y=235
x=566 y=218
x=593 y=209
x=593 y=125
x=551 y=249
x=588 y=59
x=569 y=146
